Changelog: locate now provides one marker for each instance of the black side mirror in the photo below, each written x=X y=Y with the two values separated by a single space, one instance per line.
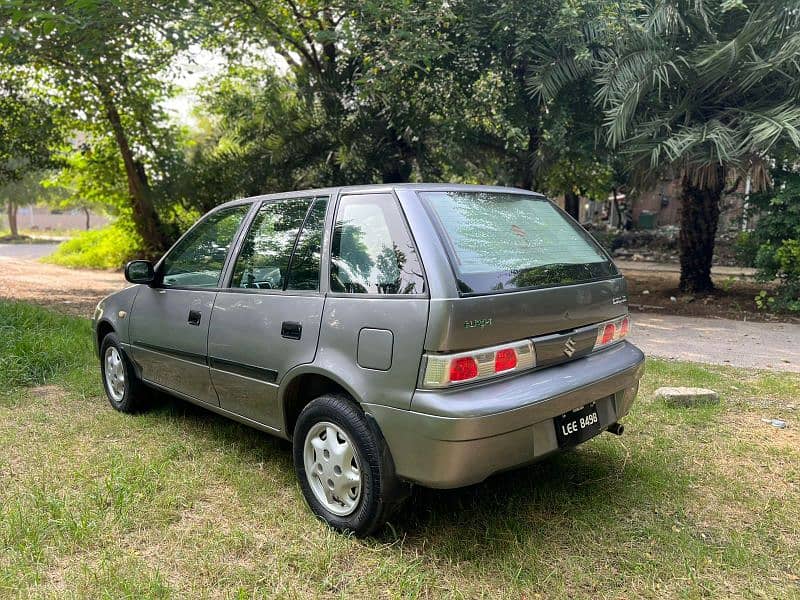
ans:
x=140 y=271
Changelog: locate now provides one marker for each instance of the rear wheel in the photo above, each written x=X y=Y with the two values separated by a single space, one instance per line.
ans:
x=123 y=388
x=344 y=466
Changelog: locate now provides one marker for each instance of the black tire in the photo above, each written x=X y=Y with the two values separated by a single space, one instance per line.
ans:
x=380 y=492
x=132 y=399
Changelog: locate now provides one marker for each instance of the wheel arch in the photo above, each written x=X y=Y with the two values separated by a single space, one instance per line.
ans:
x=104 y=327
x=301 y=386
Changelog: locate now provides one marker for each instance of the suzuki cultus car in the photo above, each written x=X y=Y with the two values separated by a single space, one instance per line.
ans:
x=426 y=334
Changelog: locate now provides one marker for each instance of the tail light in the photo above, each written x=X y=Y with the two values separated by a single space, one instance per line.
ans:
x=612 y=331
x=444 y=370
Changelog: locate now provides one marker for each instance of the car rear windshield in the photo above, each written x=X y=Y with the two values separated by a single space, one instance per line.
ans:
x=503 y=241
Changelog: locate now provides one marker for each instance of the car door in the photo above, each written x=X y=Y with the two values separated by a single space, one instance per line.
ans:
x=169 y=320
x=267 y=320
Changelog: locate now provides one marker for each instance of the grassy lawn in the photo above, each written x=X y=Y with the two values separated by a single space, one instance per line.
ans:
x=178 y=502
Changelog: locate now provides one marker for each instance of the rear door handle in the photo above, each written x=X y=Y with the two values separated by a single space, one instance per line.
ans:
x=291 y=330
x=194 y=317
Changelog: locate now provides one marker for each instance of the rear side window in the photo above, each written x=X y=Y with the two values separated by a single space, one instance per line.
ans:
x=304 y=268
x=501 y=241
x=263 y=262
x=371 y=249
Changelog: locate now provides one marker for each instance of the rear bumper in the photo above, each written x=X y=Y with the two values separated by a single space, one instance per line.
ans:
x=459 y=437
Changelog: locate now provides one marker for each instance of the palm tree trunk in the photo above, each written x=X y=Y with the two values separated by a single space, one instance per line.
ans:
x=699 y=219
x=572 y=204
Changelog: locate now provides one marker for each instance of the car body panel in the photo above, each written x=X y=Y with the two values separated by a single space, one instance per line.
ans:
x=345 y=317
x=248 y=355
x=462 y=436
x=168 y=349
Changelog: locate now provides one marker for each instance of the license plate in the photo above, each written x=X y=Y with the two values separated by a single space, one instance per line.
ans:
x=577 y=425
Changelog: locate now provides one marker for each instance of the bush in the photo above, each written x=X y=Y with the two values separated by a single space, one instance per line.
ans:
x=776 y=238
x=107 y=248
x=745 y=248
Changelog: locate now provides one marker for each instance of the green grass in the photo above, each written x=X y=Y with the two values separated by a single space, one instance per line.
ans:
x=38 y=346
x=178 y=502
x=106 y=248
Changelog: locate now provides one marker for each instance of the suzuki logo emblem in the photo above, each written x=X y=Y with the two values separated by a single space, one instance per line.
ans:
x=569 y=347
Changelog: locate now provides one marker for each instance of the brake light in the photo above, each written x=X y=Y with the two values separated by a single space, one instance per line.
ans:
x=608 y=334
x=464 y=368
x=443 y=370
x=505 y=360
x=612 y=331
x=624 y=327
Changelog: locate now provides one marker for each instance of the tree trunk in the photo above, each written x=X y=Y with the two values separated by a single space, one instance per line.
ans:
x=145 y=217
x=11 y=211
x=699 y=219
x=400 y=165
x=86 y=212
x=572 y=204
x=528 y=180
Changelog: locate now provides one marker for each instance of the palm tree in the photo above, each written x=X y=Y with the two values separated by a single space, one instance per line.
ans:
x=707 y=89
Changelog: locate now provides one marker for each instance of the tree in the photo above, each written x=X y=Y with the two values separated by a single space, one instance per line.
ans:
x=360 y=88
x=106 y=59
x=27 y=134
x=25 y=191
x=706 y=90
x=90 y=179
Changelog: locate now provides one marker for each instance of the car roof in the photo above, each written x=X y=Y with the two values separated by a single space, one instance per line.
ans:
x=378 y=188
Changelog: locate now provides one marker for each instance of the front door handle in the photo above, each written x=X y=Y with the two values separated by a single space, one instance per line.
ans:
x=194 y=317
x=291 y=330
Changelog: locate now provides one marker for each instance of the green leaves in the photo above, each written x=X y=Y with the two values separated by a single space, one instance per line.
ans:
x=704 y=83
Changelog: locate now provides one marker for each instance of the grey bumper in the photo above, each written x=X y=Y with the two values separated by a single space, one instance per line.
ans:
x=459 y=437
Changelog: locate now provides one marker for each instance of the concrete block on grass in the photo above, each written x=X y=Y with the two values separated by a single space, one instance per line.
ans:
x=682 y=397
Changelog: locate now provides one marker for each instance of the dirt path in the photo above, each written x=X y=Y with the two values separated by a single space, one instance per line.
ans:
x=72 y=291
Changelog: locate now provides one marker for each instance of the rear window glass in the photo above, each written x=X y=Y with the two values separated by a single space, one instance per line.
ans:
x=501 y=241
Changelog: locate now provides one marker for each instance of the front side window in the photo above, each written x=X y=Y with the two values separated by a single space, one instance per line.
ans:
x=263 y=262
x=506 y=241
x=371 y=249
x=197 y=260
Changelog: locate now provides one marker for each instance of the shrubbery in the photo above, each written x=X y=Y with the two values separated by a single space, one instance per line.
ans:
x=37 y=346
x=774 y=244
x=107 y=248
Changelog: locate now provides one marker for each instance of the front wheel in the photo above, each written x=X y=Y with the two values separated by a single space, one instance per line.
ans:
x=343 y=466
x=122 y=387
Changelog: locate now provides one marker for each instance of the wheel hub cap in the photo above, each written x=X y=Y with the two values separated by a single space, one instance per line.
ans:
x=115 y=374
x=332 y=468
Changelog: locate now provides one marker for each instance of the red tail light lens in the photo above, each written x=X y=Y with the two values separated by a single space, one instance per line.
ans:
x=504 y=360
x=612 y=331
x=608 y=334
x=463 y=368
x=624 y=327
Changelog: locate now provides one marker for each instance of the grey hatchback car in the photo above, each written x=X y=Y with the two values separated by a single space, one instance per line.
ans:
x=395 y=334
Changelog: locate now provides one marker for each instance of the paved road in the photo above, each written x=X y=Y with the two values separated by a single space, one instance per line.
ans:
x=29 y=251
x=719 y=341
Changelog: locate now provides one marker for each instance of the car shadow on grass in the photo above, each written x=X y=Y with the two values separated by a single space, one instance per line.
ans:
x=599 y=490
x=566 y=501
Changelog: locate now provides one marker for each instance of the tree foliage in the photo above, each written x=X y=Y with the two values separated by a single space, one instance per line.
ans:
x=706 y=90
x=105 y=60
